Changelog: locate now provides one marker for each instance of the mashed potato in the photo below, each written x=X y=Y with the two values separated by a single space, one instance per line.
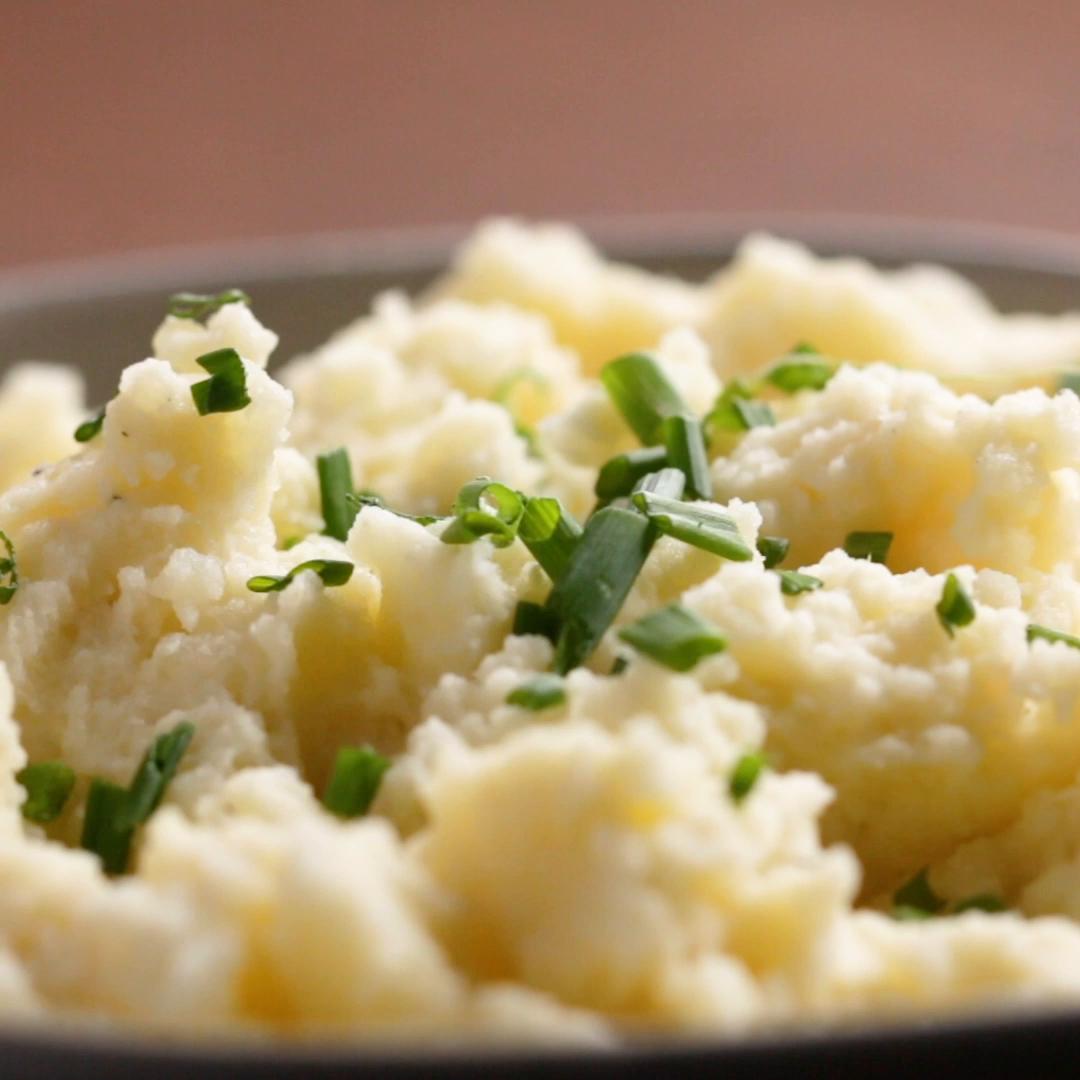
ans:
x=864 y=802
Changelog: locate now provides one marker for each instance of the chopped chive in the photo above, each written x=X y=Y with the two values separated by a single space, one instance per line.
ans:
x=485 y=508
x=988 y=902
x=48 y=785
x=916 y=898
x=754 y=413
x=540 y=692
x=226 y=389
x=619 y=475
x=724 y=416
x=793 y=582
x=745 y=775
x=793 y=372
x=667 y=483
x=643 y=394
x=675 y=637
x=868 y=545
x=88 y=429
x=619 y=666
x=114 y=813
x=291 y=541
x=330 y=571
x=9 y=571
x=774 y=549
x=185 y=305
x=685 y=442
x=1044 y=633
x=602 y=569
x=701 y=524
x=358 y=500
x=955 y=608
x=530 y=618
x=1070 y=381
x=354 y=783
x=550 y=533
x=335 y=487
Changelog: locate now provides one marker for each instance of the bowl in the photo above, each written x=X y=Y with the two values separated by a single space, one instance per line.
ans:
x=99 y=315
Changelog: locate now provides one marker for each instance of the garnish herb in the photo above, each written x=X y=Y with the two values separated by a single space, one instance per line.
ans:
x=114 y=813
x=675 y=637
x=330 y=571
x=988 y=902
x=9 y=571
x=541 y=692
x=793 y=582
x=754 y=414
x=88 y=429
x=358 y=500
x=796 y=371
x=1070 y=381
x=619 y=475
x=502 y=396
x=1044 y=633
x=48 y=785
x=550 y=534
x=335 y=487
x=700 y=524
x=916 y=899
x=642 y=393
x=685 y=442
x=724 y=415
x=745 y=775
x=185 y=305
x=619 y=666
x=226 y=389
x=530 y=618
x=868 y=545
x=955 y=607
x=774 y=549
x=485 y=507
x=354 y=783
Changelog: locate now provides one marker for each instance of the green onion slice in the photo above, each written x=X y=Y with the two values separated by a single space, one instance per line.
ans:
x=796 y=371
x=793 y=582
x=485 y=508
x=774 y=550
x=357 y=501
x=1070 y=381
x=530 y=618
x=48 y=786
x=916 y=898
x=89 y=429
x=724 y=416
x=745 y=775
x=619 y=475
x=9 y=571
x=703 y=525
x=550 y=533
x=354 y=783
x=186 y=305
x=540 y=692
x=868 y=545
x=226 y=389
x=643 y=394
x=685 y=442
x=330 y=571
x=1044 y=633
x=335 y=487
x=955 y=608
x=987 y=902
x=675 y=637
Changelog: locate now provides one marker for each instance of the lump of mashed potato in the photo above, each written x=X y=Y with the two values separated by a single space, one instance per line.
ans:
x=458 y=770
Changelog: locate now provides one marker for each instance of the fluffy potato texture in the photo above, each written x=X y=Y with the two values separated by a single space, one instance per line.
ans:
x=587 y=872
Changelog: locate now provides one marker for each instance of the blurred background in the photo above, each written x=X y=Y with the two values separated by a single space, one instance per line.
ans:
x=133 y=124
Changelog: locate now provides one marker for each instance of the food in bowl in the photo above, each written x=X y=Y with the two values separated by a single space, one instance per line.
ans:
x=569 y=655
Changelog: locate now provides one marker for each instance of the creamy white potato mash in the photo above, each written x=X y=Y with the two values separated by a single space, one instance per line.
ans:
x=348 y=801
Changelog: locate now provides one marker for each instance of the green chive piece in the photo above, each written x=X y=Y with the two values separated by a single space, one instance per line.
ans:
x=988 y=902
x=685 y=442
x=754 y=413
x=550 y=533
x=357 y=501
x=114 y=813
x=540 y=692
x=330 y=571
x=601 y=571
x=619 y=666
x=702 y=525
x=48 y=785
x=105 y=832
x=724 y=416
x=290 y=542
x=619 y=475
x=354 y=783
x=226 y=389
x=667 y=484
x=675 y=637
x=868 y=545
x=793 y=582
x=186 y=305
x=1070 y=381
x=530 y=618
x=794 y=372
x=916 y=898
x=9 y=571
x=1044 y=633
x=745 y=775
x=774 y=549
x=955 y=608
x=485 y=508
x=643 y=394
x=335 y=487
x=89 y=429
